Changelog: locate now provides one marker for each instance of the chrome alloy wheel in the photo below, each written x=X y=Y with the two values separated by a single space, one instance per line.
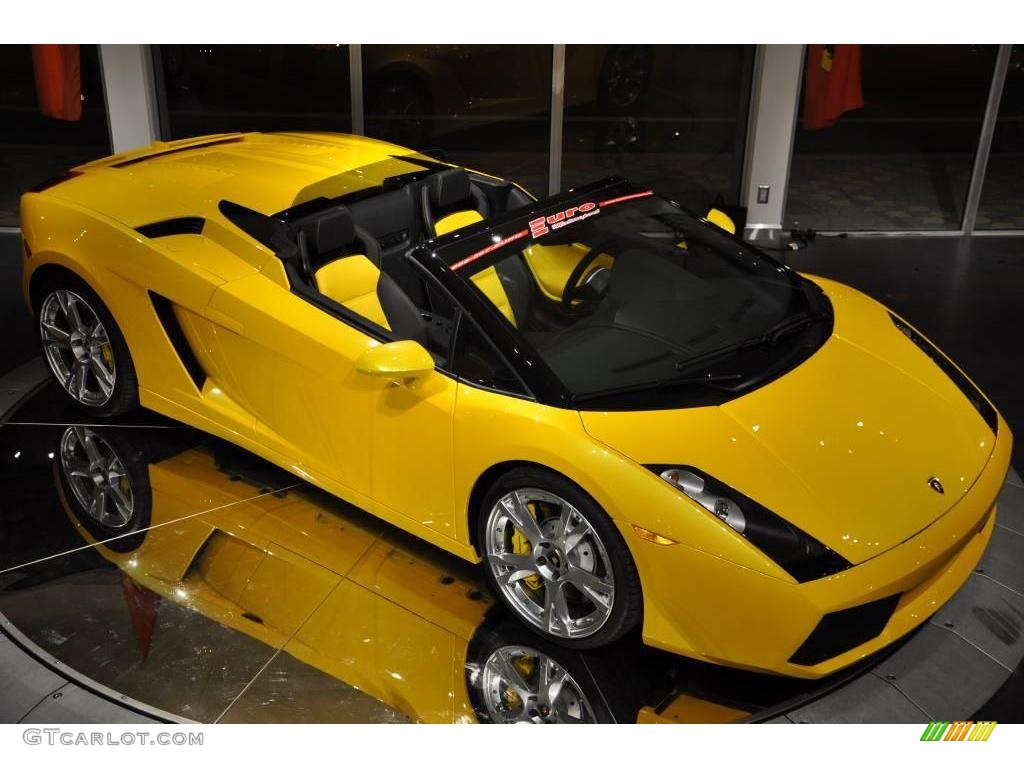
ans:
x=521 y=685
x=97 y=477
x=77 y=347
x=549 y=563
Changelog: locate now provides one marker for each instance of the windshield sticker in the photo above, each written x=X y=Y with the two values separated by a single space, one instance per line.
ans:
x=544 y=224
x=624 y=198
x=541 y=225
x=490 y=248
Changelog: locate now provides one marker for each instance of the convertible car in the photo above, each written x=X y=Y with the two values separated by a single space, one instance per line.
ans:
x=634 y=419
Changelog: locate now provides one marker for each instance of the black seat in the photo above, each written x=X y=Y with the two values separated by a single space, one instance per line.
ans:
x=393 y=220
x=342 y=261
x=449 y=201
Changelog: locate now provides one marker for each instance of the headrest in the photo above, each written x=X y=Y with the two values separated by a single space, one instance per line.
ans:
x=449 y=187
x=332 y=231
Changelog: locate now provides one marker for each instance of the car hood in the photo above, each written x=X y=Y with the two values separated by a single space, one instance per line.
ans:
x=843 y=446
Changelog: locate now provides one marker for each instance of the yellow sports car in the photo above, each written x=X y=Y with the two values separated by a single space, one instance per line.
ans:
x=629 y=415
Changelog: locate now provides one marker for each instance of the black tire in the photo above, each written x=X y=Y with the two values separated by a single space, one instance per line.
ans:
x=125 y=395
x=613 y=683
x=509 y=636
x=627 y=604
x=128 y=536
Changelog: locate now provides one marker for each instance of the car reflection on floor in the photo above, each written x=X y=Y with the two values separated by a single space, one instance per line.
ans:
x=311 y=609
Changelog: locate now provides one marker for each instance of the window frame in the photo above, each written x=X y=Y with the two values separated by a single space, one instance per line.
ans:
x=463 y=319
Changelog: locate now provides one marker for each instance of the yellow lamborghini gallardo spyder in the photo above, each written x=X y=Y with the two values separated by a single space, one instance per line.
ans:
x=629 y=415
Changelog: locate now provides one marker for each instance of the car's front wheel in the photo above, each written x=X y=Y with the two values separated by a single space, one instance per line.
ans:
x=84 y=348
x=555 y=558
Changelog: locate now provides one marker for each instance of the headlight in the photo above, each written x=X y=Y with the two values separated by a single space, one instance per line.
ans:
x=971 y=392
x=801 y=555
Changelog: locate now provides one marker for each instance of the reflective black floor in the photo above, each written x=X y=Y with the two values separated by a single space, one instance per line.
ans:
x=213 y=586
x=216 y=587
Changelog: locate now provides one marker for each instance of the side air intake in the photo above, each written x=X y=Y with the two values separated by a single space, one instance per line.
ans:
x=165 y=313
x=844 y=630
x=185 y=225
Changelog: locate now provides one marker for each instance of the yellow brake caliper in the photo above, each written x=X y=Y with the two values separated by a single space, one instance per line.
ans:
x=524 y=665
x=522 y=546
x=108 y=355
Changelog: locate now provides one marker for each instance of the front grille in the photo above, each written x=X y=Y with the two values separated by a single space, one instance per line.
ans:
x=844 y=630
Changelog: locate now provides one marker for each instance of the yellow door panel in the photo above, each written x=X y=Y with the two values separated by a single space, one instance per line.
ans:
x=382 y=649
x=412 y=449
x=323 y=528
x=446 y=592
x=294 y=366
x=285 y=589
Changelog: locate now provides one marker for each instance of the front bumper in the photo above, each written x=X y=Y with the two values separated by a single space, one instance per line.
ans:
x=703 y=606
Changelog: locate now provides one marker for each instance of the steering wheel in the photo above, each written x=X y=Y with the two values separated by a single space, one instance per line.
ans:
x=575 y=297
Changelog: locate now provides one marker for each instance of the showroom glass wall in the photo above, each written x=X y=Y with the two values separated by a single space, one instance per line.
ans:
x=674 y=117
x=483 y=106
x=887 y=136
x=220 y=88
x=1002 y=196
x=671 y=116
x=52 y=116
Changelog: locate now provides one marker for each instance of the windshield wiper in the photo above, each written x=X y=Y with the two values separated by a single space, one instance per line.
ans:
x=771 y=336
x=788 y=325
x=714 y=354
x=710 y=381
x=707 y=378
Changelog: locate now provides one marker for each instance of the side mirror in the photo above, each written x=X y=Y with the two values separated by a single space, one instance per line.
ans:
x=404 y=362
x=721 y=220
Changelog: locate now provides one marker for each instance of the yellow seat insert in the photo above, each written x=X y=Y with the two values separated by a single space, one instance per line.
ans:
x=352 y=282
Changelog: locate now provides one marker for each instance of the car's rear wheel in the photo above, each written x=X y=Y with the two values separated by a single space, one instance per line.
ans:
x=84 y=348
x=106 y=482
x=557 y=561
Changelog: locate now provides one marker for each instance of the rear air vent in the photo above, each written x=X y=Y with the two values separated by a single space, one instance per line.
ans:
x=176 y=150
x=185 y=225
x=165 y=313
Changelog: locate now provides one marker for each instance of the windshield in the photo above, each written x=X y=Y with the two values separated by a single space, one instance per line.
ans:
x=620 y=291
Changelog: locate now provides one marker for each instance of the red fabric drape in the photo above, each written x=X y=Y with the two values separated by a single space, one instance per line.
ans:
x=832 y=86
x=58 y=80
x=142 y=607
